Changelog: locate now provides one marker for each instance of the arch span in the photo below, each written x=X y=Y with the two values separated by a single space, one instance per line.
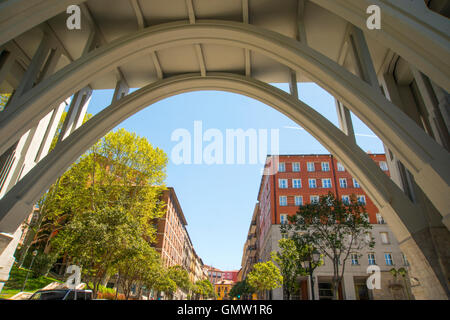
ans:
x=404 y=218
x=424 y=158
x=420 y=37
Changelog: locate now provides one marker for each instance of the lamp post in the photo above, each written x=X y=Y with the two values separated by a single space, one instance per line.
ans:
x=313 y=258
x=31 y=265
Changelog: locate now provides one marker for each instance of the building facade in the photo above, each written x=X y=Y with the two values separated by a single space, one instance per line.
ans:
x=223 y=288
x=302 y=179
x=174 y=243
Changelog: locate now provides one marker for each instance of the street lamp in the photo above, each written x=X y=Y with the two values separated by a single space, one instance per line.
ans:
x=313 y=258
x=31 y=265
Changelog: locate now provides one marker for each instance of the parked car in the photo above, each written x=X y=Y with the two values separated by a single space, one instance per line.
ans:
x=62 y=294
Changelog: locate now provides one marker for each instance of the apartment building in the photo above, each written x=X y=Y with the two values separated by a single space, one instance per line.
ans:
x=302 y=179
x=174 y=243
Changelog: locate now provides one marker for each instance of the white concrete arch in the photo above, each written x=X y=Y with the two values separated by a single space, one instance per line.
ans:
x=408 y=27
x=423 y=157
x=403 y=217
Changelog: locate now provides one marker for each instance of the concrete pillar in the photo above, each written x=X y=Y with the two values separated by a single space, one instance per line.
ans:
x=437 y=123
x=443 y=99
x=349 y=287
x=345 y=120
x=121 y=90
x=31 y=75
x=9 y=242
x=77 y=111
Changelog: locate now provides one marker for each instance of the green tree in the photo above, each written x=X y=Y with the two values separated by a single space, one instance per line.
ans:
x=241 y=290
x=204 y=289
x=335 y=228
x=180 y=276
x=165 y=284
x=97 y=241
x=137 y=267
x=265 y=276
x=4 y=97
x=290 y=259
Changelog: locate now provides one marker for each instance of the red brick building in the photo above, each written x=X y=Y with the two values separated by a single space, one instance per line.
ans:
x=302 y=179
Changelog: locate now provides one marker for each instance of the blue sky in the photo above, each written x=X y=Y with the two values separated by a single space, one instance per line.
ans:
x=218 y=200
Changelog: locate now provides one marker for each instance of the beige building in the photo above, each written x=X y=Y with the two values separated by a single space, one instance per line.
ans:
x=386 y=254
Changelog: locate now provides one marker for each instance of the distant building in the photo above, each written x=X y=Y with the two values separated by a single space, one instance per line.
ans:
x=174 y=243
x=223 y=288
x=302 y=179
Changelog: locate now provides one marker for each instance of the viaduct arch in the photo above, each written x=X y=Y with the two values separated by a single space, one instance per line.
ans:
x=411 y=32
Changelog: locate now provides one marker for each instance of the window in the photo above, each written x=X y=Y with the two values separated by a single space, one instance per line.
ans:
x=298 y=200
x=281 y=167
x=340 y=167
x=325 y=166
x=383 y=166
x=388 y=259
x=312 y=183
x=380 y=219
x=346 y=199
x=295 y=166
x=326 y=183
x=283 y=219
x=310 y=166
x=355 y=260
x=371 y=257
x=296 y=183
x=362 y=199
x=282 y=183
x=283 y=201
x=314 y=199
x=405 y=261
x=343 y=182
x=384 y=237
x=355 y=183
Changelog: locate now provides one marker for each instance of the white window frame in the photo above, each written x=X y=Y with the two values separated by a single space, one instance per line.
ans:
x=314 y=197
x=309 y=166
x=354 y=259
x=380 y=219
x=327 y=166
x=384 y=236
x=280 y=184
x=356 y=184
x=363 y=197
x=383 y=165
x=283 y=166
x=294 y=183
x=388 y=258
x=328 y=180
x=294 y=164
x=284 y=203
x=301 y=200
x=373 y=258
x=345 y=199
x=309 y=183
x=340 y=167
x=341 y=184
x=283 y=218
